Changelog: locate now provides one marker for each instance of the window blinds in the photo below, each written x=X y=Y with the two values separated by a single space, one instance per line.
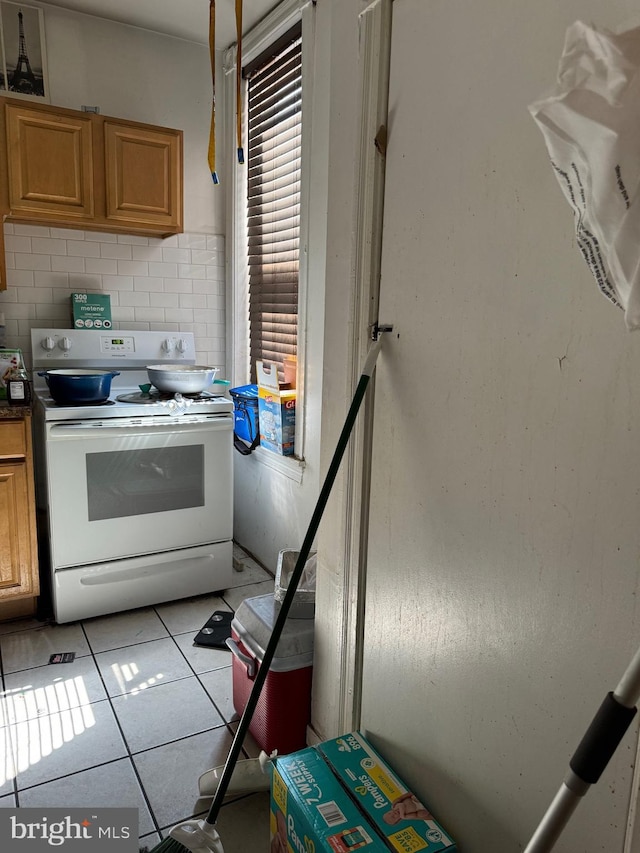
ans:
x=273 y=202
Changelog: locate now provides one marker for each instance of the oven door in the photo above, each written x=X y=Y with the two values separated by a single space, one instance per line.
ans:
x=124 y=487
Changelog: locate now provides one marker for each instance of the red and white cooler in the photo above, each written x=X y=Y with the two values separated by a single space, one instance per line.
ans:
x=284 y=708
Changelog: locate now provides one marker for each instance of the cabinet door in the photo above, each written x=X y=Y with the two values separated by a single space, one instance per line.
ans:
x=143 y=171
x=50 y=164
x=16 y=558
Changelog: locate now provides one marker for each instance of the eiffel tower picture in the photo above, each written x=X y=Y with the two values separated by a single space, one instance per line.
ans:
x=23 y=51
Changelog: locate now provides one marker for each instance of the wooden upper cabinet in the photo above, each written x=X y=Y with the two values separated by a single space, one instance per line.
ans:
x=50 y=164
x=142 y=182
x=82 y=170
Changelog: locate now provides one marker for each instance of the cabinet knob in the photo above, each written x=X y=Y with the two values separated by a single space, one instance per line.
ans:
x=47 y=343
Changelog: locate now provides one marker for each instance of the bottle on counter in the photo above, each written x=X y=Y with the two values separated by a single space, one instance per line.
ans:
x=18 y=387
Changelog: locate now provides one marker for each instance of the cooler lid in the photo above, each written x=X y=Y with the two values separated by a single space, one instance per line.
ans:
x=253 y=623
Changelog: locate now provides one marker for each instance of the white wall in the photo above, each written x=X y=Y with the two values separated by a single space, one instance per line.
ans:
x=504 y=538
x=176 y=284
x=143 y=76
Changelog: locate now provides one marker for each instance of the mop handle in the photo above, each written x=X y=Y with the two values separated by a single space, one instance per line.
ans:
x=287 y=601
x=599 y=743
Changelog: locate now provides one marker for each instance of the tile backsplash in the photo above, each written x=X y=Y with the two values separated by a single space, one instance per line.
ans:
x=174 y=284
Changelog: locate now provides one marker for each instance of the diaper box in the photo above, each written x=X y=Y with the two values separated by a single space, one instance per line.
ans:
x=310 y=811
x=396 y=813
x=276 y=411
x=91 y=311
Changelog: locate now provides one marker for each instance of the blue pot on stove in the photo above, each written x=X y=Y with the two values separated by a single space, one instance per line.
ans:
x=76 y=386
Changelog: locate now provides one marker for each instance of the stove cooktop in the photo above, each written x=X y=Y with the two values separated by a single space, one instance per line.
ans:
x=129 y=403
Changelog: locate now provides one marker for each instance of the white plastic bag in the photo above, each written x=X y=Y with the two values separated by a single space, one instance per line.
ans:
x=591 y=125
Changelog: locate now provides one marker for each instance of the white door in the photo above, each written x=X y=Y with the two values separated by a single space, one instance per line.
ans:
x=119 y=489
x=502 y=587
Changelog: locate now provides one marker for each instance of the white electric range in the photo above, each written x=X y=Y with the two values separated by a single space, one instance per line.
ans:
x=138 y=491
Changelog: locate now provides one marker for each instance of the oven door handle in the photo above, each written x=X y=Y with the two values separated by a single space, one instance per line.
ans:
x=146 y=426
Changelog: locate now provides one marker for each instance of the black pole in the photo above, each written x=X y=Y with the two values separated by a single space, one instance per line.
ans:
x=303 y=556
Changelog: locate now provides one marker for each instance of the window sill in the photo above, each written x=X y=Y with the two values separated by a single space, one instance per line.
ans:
x=290 y=466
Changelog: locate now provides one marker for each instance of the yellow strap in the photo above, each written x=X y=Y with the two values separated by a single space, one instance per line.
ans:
x=239 y=81
x=212 y=53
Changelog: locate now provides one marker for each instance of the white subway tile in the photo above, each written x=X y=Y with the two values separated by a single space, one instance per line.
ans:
x=178 y=285
x=215 y=273
x=206 y=315
x=104 y=266
x=35 y=295
x=193 y=300
x=151 y=315
x=180 y=315
x=205 y=286
x=101 y=237
x=133 y=268
x=155 y=285
x=198 y=329
x=32 y=262
x=19 y=311
x=52 y=312
x=64 y=263
x=62 y=294
x=20 y=278
x=122 y=314
x=81 y=281
x=169 y=242
x=17 y=244
x=134 y=298
x=51 y=279
x=132 y=239
x=114 y=296
x=9 y=261
x=115 y=250
x=31 y=230
x=178 y=256
x=136 y=326
x=9 y=295
x=216 y=302
x=48 y=246
x=204 y=256
x=82 y=249
x=191 y=271
x=163 y=300
x=216 y=330
x=165 y=327
x=67 y=233
x=117 y=282
x=147 y=253
x=8 y=228
x=163 y=270
x=215 y=242
x=192 y=241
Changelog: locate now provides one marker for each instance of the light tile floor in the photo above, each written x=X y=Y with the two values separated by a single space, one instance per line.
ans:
x=137 y=717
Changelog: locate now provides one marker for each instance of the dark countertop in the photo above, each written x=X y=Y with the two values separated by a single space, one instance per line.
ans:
x=7 y=411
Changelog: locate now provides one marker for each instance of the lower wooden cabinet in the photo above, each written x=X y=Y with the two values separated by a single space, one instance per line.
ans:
x=18 y=543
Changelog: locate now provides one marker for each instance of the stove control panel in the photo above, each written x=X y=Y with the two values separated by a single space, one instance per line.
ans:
x=133 y=349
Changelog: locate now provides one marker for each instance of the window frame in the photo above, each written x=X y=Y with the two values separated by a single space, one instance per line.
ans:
x=282 y=19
